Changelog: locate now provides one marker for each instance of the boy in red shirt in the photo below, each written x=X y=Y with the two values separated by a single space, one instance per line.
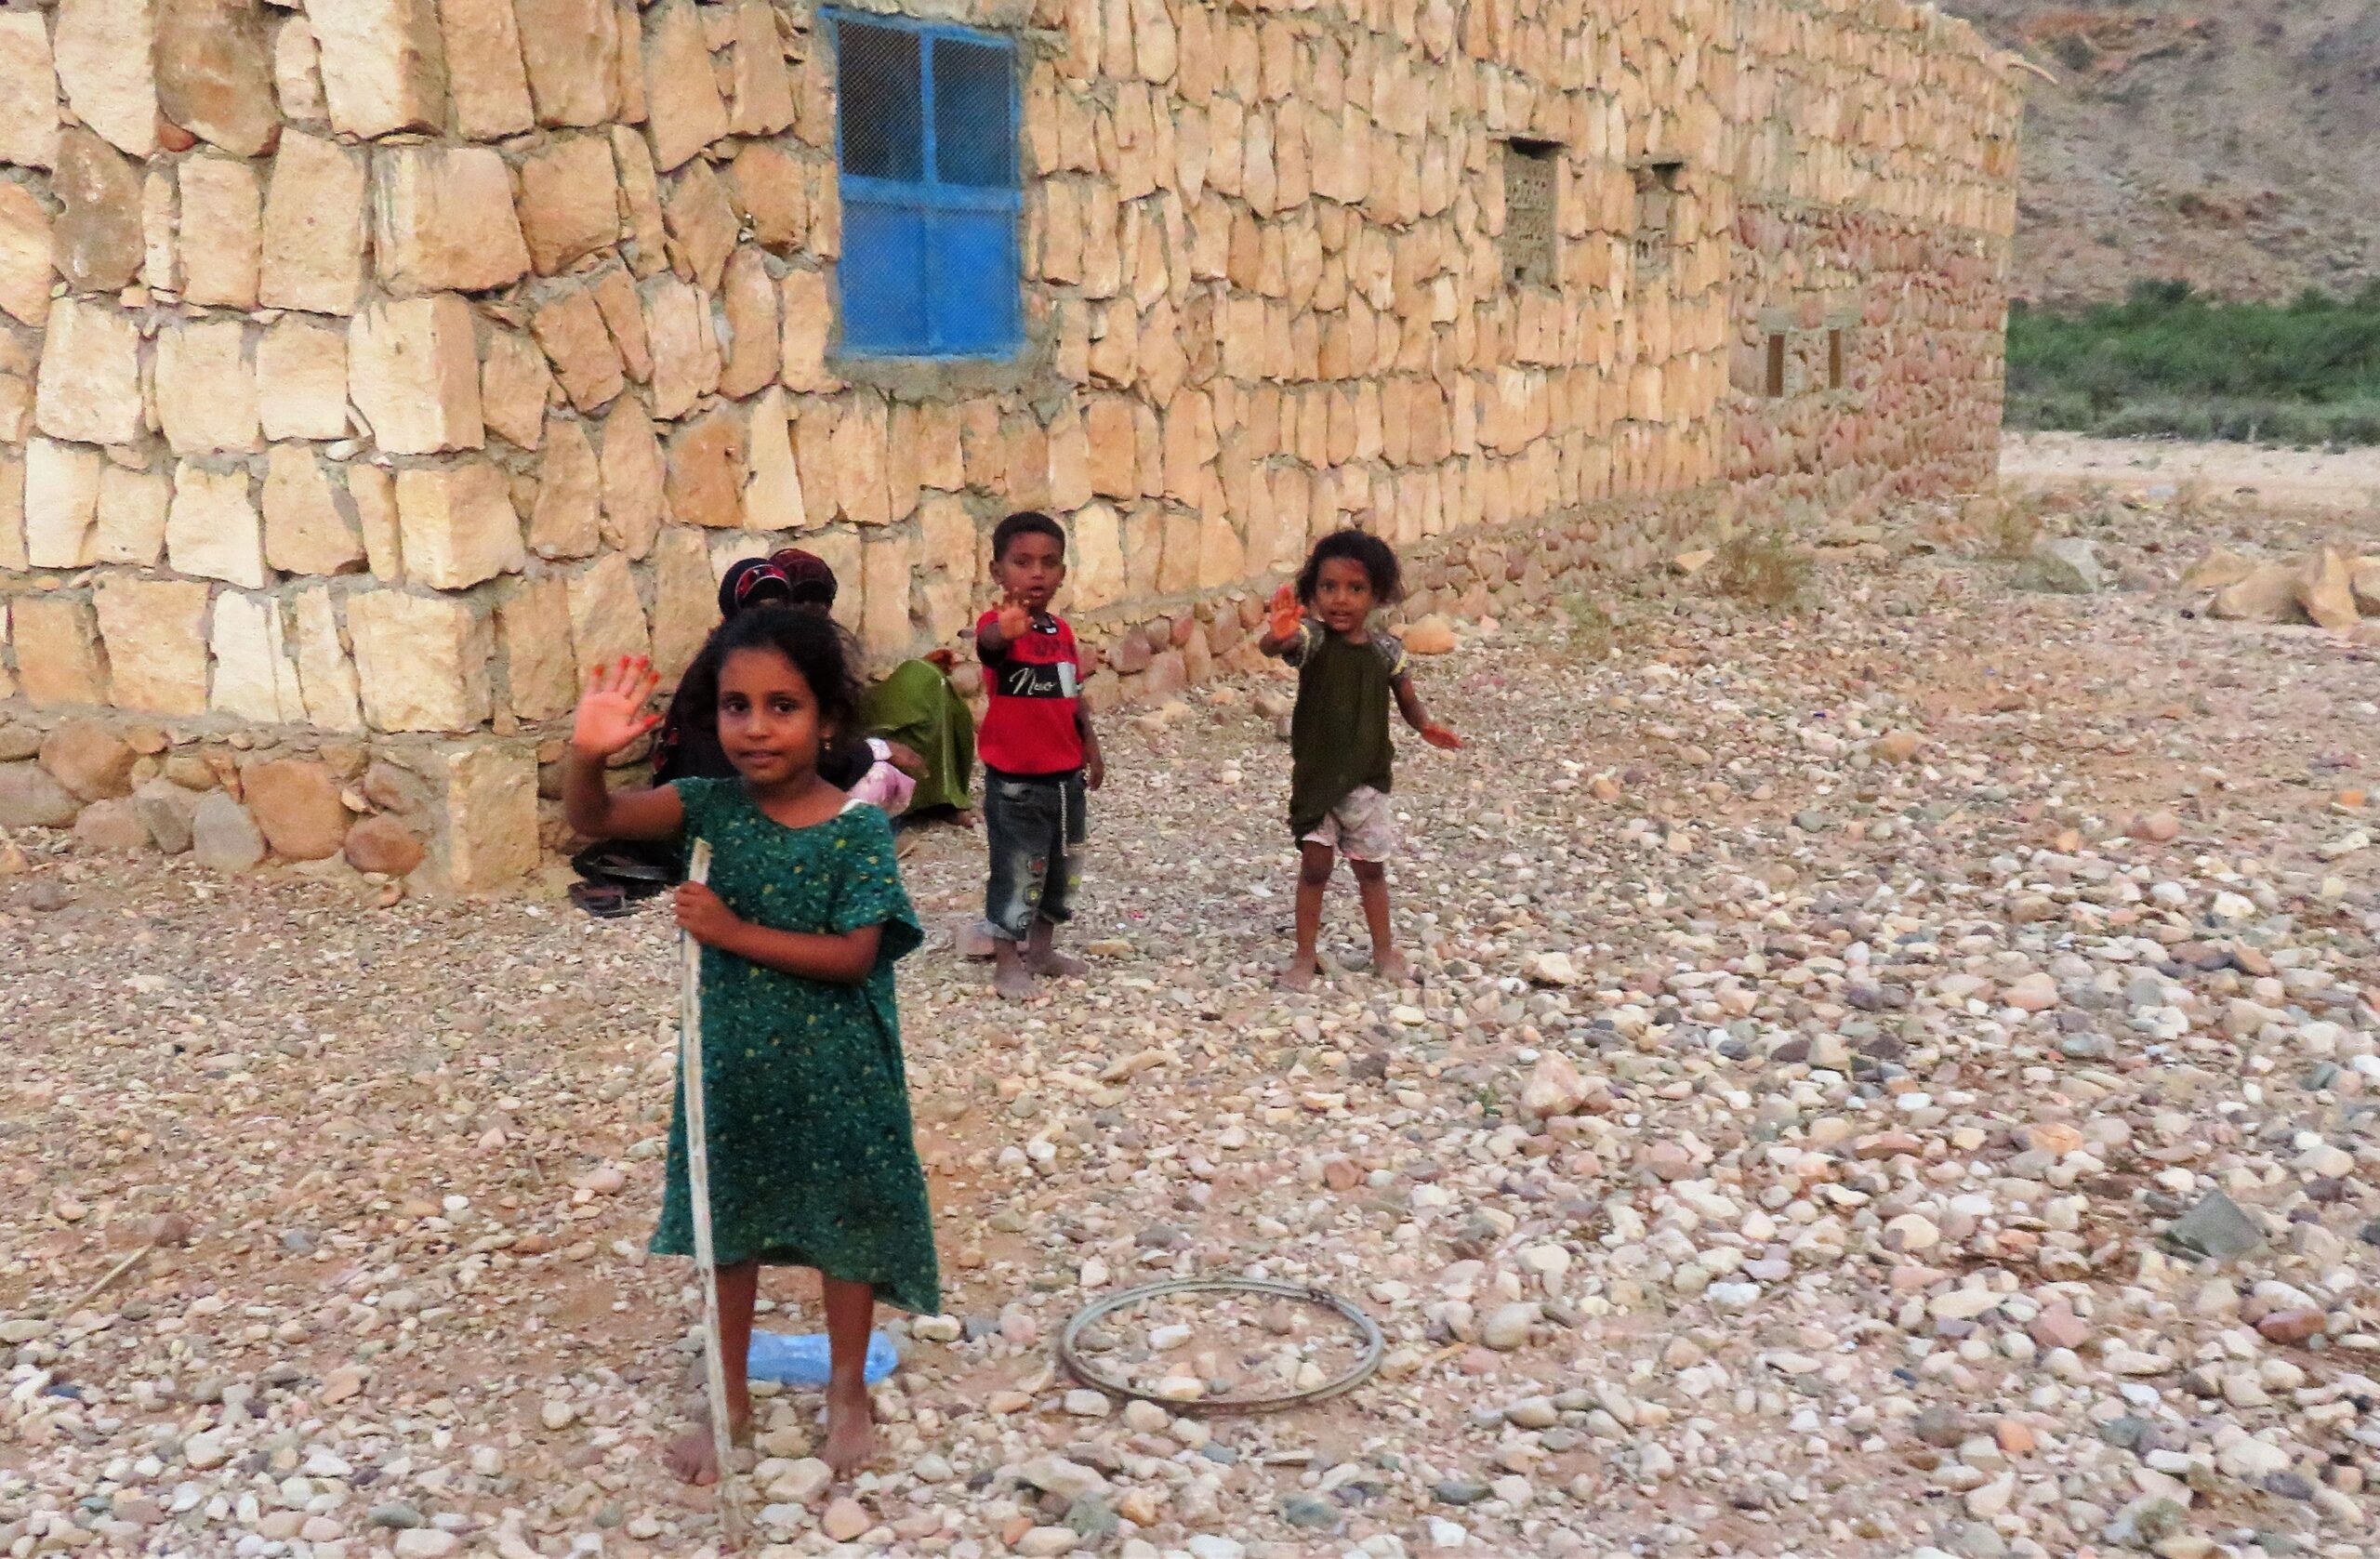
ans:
x=1040 y=755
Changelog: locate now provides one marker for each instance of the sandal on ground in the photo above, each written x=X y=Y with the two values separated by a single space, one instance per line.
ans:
x=605 y=901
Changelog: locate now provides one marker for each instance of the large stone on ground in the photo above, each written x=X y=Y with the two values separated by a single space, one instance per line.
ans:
x=89 y=760
x=223 y=837
x=30 y=799
x=113 y=826
x=380 y=843
x=2326 y=591
x=2269 y=594
x=2363 y=578
x=1432 y=636
x=296 y=805
x=2062 y=565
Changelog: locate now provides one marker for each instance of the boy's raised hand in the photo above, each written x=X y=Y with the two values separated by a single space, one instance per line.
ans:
x=1439 y=736
x=1286 y=613
x=1015 y=619
x=612 y=712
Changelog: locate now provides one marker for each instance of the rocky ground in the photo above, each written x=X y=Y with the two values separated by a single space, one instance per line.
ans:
x=1890 y=1078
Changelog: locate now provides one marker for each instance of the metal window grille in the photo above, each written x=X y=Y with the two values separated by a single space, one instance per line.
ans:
x=926 y=136
x=1529 y=228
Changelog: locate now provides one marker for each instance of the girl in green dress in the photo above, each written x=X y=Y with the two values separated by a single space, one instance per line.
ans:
x=813 y=1162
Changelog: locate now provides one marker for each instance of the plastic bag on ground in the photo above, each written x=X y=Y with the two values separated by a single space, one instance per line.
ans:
x=804 y=1360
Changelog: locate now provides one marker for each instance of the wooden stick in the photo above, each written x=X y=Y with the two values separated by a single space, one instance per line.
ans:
x=114 y=1273
x=690 y=1074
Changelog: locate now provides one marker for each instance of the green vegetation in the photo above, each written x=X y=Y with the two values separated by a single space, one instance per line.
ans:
x=2171 y=361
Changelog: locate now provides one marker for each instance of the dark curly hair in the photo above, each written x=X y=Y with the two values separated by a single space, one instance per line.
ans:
x=1027 y=521
x=818 y=646
x=1377 y=557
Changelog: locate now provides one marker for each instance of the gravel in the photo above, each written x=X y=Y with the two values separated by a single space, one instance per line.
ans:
x=1958 y=1145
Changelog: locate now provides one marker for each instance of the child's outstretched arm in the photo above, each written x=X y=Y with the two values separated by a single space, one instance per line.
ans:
x=1408 y=704
x=611 y=713
x=1282 y=621
x=837 y=957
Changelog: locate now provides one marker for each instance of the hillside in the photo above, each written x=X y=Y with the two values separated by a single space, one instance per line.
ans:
x=2234 y=145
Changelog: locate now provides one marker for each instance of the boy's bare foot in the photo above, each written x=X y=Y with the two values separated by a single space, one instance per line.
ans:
x=1391 y=965
x=1299 y=976
x=1053 y=965
x=851 y=1431
x=1014 y=981
x=693 y=1459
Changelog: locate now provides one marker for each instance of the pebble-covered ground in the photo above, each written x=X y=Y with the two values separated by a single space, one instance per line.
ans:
x=1840 y=1037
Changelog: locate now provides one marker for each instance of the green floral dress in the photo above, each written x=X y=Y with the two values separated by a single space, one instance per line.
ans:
x=813 y=1161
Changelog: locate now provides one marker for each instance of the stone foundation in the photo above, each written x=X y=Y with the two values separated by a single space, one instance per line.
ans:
x=369 y=368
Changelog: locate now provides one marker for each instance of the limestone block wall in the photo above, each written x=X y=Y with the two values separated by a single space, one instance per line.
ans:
x=1873 y=169
x=369 y=366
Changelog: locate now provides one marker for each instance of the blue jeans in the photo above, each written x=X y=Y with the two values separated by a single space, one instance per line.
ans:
x=1035 y=827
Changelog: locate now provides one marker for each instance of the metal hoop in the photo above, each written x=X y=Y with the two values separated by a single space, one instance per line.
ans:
x=1321 y=1298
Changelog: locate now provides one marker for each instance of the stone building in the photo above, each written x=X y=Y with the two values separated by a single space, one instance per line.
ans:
x=368 y=366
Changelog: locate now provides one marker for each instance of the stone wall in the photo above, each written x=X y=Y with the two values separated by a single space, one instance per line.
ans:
x=367 y=368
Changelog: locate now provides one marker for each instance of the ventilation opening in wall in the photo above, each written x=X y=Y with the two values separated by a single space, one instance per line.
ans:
x=1658 y=181
x=1835 y=359
x=1529 y=185
x=1773 y=380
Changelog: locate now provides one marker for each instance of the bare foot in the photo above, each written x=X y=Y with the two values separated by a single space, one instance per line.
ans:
x=1054 y=965
x=1299 y=976
x=693 y=1459
x=851 y=1431
x=1014 y=981
x=1391 y=965
x=964 y=817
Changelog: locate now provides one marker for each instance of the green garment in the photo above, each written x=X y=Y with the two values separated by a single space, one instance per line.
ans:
x=1339 y=735
x=813 y=1160
x=916 y=706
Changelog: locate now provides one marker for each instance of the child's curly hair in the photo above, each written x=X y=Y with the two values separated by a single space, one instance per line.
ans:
x=1379 y=560
x=817 y=645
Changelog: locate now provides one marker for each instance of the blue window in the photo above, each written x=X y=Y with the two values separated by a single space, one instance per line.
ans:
x=926 y=134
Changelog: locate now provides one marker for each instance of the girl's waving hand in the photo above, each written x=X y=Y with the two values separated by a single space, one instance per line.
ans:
x=613 y=712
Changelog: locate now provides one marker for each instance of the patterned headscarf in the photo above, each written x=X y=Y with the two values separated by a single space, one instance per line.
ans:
x=750 y=582
x=812 y=581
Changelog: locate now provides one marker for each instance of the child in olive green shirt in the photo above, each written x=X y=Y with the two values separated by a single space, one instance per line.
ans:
x=1339 y=745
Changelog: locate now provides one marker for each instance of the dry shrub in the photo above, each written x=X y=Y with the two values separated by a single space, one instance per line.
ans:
x=1592 y=632
x=1763 y=567
x=2009 y=523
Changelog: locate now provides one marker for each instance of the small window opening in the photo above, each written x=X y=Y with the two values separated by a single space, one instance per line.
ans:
x=1657 y=199
x=1530 y=183
x=1835 y=359
x=1776 y=375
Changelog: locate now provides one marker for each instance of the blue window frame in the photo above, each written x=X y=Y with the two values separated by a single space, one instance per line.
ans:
x=925 y=139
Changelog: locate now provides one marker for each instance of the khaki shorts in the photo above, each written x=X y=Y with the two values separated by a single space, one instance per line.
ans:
x=1361 y=828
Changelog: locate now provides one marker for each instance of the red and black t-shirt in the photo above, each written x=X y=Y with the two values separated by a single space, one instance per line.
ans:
x=1034 y=685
